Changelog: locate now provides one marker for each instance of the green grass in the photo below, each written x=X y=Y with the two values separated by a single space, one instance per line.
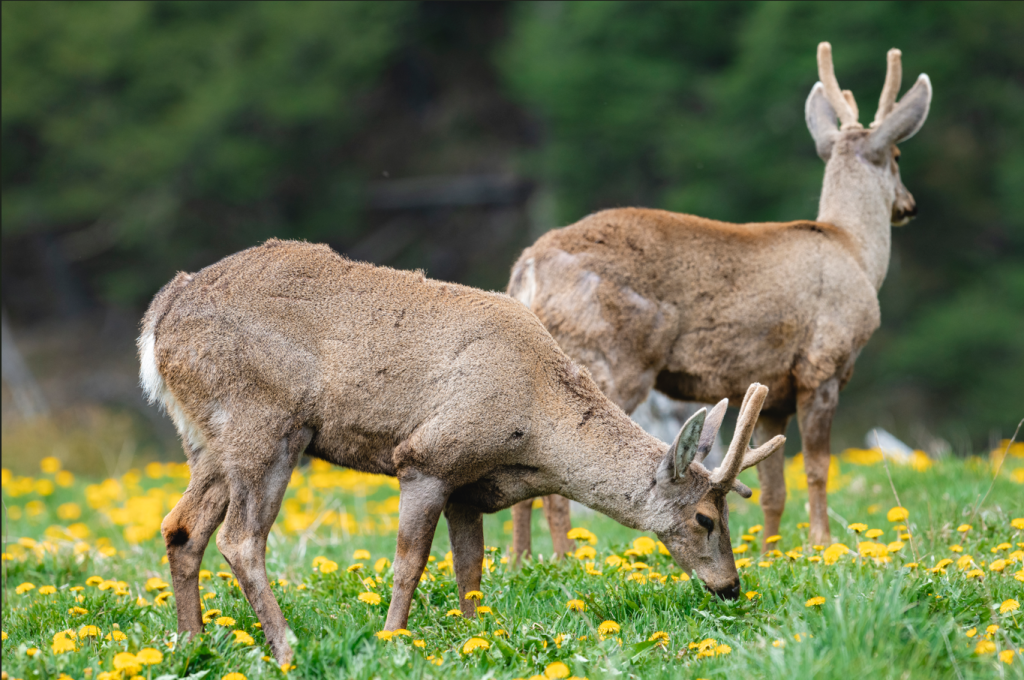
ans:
x=878 y=620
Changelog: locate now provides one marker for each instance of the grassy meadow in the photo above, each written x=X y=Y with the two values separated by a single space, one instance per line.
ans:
x=932 y=592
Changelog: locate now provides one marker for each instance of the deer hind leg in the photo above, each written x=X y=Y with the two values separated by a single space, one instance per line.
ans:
x=815 y=409
x=466 y=534
x=421 y=500
x=257 y=488
x=522 y=513
x=187 y=530
x=556 y=509
x=771 y=473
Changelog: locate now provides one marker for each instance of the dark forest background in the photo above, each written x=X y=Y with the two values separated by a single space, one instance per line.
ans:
x=140 y=139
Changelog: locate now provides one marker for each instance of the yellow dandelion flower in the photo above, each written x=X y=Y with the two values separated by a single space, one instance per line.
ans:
x=385 y=635
x=1006 y=656
x=975 y=573
x=1001 y=547
x=140 y=601
x=484 y=610
x=834 y=552
x=127 y=662
x=31 y=651
x=78 y=611
x=155 y=583
x=1017 y=523
x=985 y=647
x=501 y=632
x=47 y=590
x=1009 y=606
x=608 y=627
x=63 y=644
x=964 y=528
x=422 y=644
x=581 y=534
x=740 y=549
x=858 y=527
x=475 y=643
x=233 y=676
x=380 y=565
x=210 y=615
x=401 y=631
x=764 y=564
x=743 y=562
x=474 y=595
x=24 y=588
x=990 y=630
x=328 y=567
x=773 y=539
x=243 y=638
x=898 y=514
x=576 y=605
x=149 y=656
x=585 y=552
x=661 y=637
x=453 y=612
x=910 y=565
x=162 y=598
x=971 y=633
x=355 y=567
x=361 y=554
x=556 y=669
x=89 y=631
x=369 y=598
x=722 y=650
x=757 y=528
x=997 y=565
x=751 y=594
x=94 y=580
x=815 y=601
x=874 y=533
x=645 y=545
x=956 y=548
x=225 y=621
x=611 y=561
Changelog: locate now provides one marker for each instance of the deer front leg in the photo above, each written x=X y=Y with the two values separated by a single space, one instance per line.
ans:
x=422 y=498
x=556 y=509
x=771 y=473
x=522 y=513
x=466 y=534
x=187 y=530
x=815 y=409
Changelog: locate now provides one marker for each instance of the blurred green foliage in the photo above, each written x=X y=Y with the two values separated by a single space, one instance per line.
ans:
x=176 y=132
x=150 y=137
x=698 y=108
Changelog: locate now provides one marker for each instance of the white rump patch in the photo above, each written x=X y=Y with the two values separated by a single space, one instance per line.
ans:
x=156 y=390
x=527 y=288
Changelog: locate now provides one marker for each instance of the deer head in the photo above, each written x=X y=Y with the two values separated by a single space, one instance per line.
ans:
x=867 y=160
x=692 y=517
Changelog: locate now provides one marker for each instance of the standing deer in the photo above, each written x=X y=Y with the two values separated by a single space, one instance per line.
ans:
x=698 y=309
x=460 y=394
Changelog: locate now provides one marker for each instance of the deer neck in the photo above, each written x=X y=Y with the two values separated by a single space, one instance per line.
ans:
x=857 y=198
x=609 y=465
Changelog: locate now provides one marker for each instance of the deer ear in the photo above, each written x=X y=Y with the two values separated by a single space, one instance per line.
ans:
x=683 y=450
x=905 y=119
x=821 y=121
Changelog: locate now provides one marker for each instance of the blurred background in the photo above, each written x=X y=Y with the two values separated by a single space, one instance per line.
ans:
x=140 y=139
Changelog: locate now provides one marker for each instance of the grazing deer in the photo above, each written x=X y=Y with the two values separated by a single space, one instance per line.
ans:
x=461 y=394
x=698 y=309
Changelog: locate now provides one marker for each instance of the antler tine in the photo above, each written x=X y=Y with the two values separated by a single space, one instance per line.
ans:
x=893 y=78
x=712 y=424
x=740 y=445
x=827 y=76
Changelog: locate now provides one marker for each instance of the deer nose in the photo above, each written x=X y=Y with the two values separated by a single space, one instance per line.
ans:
x=729 y=592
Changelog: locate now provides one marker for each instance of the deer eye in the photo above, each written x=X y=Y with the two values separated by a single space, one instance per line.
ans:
x=706 y=522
